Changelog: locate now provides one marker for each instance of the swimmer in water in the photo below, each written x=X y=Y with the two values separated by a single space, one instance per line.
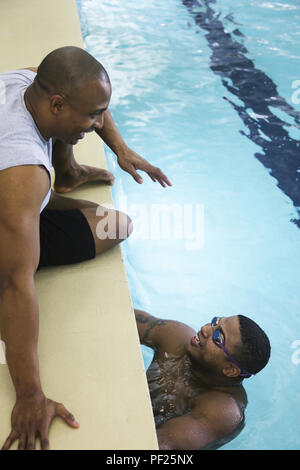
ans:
x=196 y=378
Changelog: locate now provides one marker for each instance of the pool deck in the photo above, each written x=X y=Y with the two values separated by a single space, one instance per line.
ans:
x=90 y=357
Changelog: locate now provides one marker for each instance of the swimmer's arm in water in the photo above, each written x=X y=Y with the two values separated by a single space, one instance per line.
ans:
x=162 y=334
x=214 y=417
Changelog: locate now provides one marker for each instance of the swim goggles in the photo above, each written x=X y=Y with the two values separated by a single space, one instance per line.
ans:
x=219 y=339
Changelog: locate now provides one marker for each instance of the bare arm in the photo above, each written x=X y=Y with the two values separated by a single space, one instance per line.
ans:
x=128 y=160
x=149 y=328
x=162 y=334
x=19 y=255
x=110 y=134
x=215 y=417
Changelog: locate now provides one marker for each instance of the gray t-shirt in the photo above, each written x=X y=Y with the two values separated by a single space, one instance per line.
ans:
x=21 y=143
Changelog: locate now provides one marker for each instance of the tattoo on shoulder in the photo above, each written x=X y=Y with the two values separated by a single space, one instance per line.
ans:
x=152 y=323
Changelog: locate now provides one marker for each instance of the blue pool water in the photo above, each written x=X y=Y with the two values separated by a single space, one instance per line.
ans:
x=209 y=91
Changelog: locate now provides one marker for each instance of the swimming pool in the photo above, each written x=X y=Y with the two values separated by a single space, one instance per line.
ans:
x=209 y=92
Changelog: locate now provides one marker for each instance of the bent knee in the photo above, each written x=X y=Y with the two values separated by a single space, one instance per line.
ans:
x=124 y=225
x=113 y=225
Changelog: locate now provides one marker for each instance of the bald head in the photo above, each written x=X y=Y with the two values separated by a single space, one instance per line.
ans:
x=70 y=94
x=68 y=70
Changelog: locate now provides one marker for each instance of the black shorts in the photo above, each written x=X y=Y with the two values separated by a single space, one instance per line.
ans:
x=65 y=238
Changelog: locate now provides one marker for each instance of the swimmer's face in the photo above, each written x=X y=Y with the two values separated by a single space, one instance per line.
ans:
x=204 y=350
x=82 y=113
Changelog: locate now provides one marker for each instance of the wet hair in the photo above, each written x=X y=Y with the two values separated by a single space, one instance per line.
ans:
x=254 y=352
x=67 y=70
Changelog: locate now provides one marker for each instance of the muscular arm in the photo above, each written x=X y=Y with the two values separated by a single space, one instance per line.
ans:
x=128 y=160
x=19 y=255
x=22 y=189
x=110 y=134
x=161 y=334
x=216 y=416
x=149 y=328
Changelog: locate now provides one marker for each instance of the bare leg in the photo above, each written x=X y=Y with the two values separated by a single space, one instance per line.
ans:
x=109 y=227
x=69 y=174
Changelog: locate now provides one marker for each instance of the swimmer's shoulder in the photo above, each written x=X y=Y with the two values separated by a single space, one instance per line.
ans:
x=162 y=334
x=219 y=407
x=233 y=401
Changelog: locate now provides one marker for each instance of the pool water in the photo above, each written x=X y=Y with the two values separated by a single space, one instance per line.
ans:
x=209 y=91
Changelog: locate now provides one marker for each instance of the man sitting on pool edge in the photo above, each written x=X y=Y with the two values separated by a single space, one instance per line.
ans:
x=196 y=379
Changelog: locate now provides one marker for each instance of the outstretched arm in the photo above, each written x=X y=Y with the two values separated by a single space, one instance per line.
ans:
x=129 y=160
